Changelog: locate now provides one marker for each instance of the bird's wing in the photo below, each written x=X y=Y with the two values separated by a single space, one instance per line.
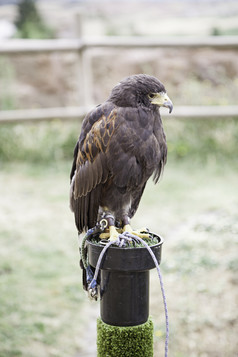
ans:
x=90 y=169
x=90 y=159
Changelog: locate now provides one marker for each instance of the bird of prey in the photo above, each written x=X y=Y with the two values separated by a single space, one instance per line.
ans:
x=122 y=143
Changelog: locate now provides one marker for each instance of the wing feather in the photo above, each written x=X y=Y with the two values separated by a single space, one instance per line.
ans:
x=90 y=169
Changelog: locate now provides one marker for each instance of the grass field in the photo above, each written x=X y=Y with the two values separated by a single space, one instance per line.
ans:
x=43 y=309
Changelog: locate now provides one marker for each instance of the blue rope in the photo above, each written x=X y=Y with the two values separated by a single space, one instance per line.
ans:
x=130 y=237
x=162 y=290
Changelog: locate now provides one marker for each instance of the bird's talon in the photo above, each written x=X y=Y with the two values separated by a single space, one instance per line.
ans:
x=109 y=235
x=141 y=233
x=105 y=235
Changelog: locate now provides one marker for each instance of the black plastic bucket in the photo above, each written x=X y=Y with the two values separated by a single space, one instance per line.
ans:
x=124 y=282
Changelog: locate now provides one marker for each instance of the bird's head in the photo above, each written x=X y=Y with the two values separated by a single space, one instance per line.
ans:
x=141 y=89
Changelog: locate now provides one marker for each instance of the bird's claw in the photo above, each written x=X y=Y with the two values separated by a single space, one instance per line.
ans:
x=142 y=233
x=105 y=234
x=110 y=234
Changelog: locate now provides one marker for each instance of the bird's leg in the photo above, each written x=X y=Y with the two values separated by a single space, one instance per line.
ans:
x=138 y=232
x=112 y=233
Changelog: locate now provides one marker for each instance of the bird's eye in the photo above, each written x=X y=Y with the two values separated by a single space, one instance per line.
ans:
x=151 y=95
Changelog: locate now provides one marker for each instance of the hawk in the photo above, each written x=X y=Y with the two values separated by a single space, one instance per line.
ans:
x=121 y=145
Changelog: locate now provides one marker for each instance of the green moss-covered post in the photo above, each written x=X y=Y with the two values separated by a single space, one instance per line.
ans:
x=134 y=341
x=124 y=328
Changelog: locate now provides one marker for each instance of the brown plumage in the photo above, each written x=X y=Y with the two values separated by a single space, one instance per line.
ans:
x=122 y=143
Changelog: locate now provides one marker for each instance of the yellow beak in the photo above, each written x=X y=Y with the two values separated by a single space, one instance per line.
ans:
x=162 y=100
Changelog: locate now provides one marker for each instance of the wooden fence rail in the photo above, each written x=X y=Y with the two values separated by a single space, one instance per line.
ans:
x=81 y=44
x=77 y=113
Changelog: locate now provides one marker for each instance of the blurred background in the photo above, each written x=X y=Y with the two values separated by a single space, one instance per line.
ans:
x=57 y=60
